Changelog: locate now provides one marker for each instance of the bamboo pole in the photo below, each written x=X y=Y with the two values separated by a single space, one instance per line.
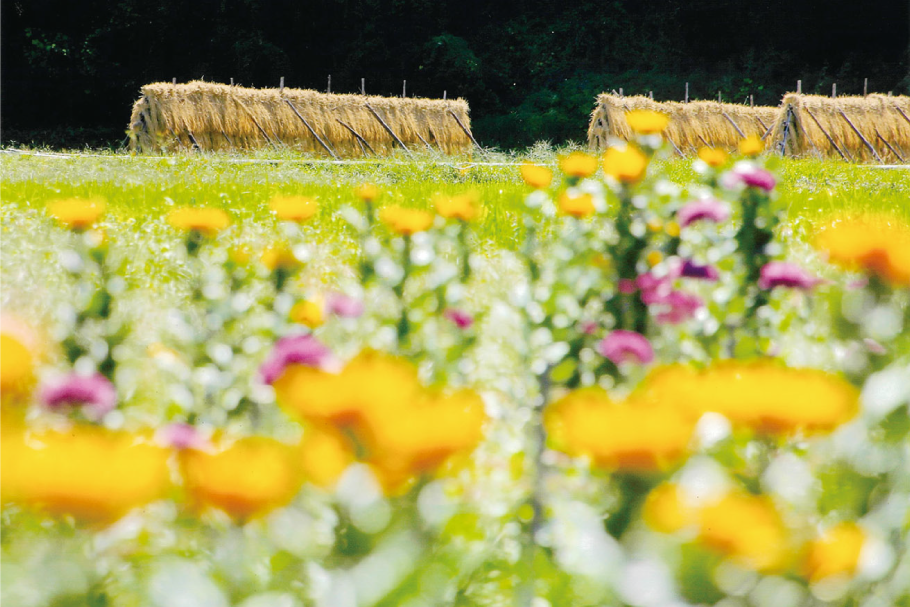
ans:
x=312 y=131
x=901 y=112
x=735 y=126
x=464 y=128
x=893 y=151
x=860 y=135
x=388 y=129
x=704 y=142
x=360 y=139
x=783 y=143
x=843 y=153
x=763 y=125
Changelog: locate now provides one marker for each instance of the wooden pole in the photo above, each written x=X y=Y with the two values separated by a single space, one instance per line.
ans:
x=651 y=95
x=704 y=141
x=620 y=92
x=281 y=84
x=893 y=151
x=196 y=145
x=767 y=132
x=429 y=147
x=230 y=143
x=329 y=87
x=388 y=129
x=444 y=95
x=833 y=90
x=842 y=153
x=673 y=143
x=763 y=125
x=865 y=87
x=687 y=93
x=358 y=136
x=901 y=112
x=232 y=82
x=860 y=135
x=735 y=126
x=751 y=100
x=174 y=81
x=363 y=86
x=312 y=131
x=465 y=129
x=719 y=98
x=404 y=89
x=783 y=143
x=799 y=87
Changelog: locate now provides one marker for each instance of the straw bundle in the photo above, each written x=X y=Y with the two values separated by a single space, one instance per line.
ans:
x=222 y=117
x=810 y=125
x=692 y=125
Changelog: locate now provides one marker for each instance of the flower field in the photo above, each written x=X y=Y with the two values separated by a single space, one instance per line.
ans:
x=558 y=380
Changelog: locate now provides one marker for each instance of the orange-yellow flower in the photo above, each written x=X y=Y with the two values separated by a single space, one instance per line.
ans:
x=654 y=257
x=580 y=205
x=746 y=528
x=672 y=229
x=461 y=206
x=714 y=157
x=875 y=244
x=647 y=122
x=207 y=222
x=537 y=177
x=578 y=165
x=16 y=365
x=293 y=208
x=86 y=472
x=279 y=257
x=406 y=221
x=835 y=553
x=76 y=213
x=666 y=510
x=308 y=312
x=367 y=192
x=248 y=478
x=627 y=165
x=762 y=395
x=627 y=435
x=751 y=146
x=324 y=456
x=239 y=255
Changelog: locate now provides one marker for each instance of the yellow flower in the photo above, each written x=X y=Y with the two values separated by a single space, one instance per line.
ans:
x=666 y=511
x=308 y=312
x=875 y=244
x=647 y=122
x=537 y=177
x=239 y=255
x=279 y=257
x=655 y=225
x=204 y=221
x=406 y=221
x=578 y=165
x=761 y=395
x=461 y=206
x=672 y=229
x=76 y=213
x=751 y=146
x=745 y=528
x=580 y=206
x=627 y=166
x=85 y=472
x=293 y=208
x=367 y=192
x=248 y=478
x=16 y=364
x=835 y=553
x=324 y=456
x=714 y=157
x=370 y=386
x=654 y=258
x=625 y=435
x=428 y=433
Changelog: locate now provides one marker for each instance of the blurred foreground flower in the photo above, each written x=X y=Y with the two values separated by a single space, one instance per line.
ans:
x=462 y=319
x=578 y=165
x=750 y=175
x=96 y=395
x=647 y=122
x=578 y=206
x=714 y=157
x=406 y=221
x=367 y=192
x=835 y=553
x=75 y=213
x=626 y=346
x=85 y=472
x=625 y=165
x=537 y=177
x=705 y=208
x=16 y=364
x=293 y=208
x=206 y=222
x=746 y=528
x=751 y=146
x=877 y=245
x=461 y=206
x=303 y=350
x=308 y=312
x=782 y=274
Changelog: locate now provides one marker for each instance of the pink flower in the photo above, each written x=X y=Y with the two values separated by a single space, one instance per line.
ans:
x=182 y=436
x=627 y=286
x=459 y=317
x=622 y=346
x=690 y=269
x=296 y=350
x=706 y=208
x=94 y=392
x=654 y=289
x=749 y=175
x=588 y=327
x=678 y=306
x=343 y=306
x=782 y=274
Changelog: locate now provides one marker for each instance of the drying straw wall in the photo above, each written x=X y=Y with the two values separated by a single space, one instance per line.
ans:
x=825 y=127
x=223 y=117
x=692 y=125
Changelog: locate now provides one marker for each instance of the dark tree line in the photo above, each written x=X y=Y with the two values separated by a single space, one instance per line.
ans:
x=529 y=68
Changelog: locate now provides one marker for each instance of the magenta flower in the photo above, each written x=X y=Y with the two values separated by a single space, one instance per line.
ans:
x=297 y=350
x=459 y=317
x=182 y=436
x=706 y=208
x=343 y=306
x=654 y=289
x=690 y=269
x=588 y=327
x=627 y=286
x=749 y=175
x=782 y=274
x=624 y=346
x=95 y=393
x=678 y=306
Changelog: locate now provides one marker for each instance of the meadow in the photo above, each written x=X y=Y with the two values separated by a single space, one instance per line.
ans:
x=543 y=379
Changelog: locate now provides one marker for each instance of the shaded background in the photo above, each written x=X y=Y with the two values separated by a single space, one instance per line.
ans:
x=529 y=68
